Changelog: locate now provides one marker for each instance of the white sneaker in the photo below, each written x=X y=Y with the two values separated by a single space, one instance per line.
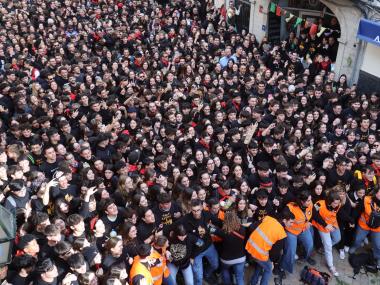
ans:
x=334 y=272
x=346 y=249
x=342 y=255
x=296 y=257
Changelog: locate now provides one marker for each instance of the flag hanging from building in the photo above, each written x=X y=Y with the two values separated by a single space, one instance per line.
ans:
x=313 y=29
x=273 y=7
x=291 y=16
x=278 y=11
x=295 y=21
x=321 y=31
x=298 y=22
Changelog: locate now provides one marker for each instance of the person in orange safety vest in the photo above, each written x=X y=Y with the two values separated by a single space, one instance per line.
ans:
x=301 y=230
x=369 y=223
x=325 y=221
x=141 y=266
x=265 y=244
x=159 y=270
x=217 y=212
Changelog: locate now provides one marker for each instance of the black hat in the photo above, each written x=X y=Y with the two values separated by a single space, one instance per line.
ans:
x=262 y=165
x=262 y=193
x=219 y=130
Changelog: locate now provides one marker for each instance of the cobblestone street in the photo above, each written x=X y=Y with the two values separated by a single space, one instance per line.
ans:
x=343 y=267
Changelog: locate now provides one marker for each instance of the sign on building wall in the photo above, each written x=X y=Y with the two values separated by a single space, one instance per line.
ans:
x=369 y=31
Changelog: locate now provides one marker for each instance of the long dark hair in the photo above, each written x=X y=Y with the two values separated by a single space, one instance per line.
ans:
x=124 y=231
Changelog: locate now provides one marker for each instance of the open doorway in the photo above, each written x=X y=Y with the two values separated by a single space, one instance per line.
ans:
x=325 y=43
x=242 y=22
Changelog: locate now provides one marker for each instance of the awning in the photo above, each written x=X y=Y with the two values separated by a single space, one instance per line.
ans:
x=369 y=31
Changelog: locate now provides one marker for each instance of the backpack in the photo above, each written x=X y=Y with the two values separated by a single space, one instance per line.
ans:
x=312 y=276
x=362 y=260
x=374 y=218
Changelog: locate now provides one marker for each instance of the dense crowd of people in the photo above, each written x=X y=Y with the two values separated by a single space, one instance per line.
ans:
x=151 y=142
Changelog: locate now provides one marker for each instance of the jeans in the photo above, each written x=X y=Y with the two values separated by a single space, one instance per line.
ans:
x=306 y=238
x=348 y=234
x=238 y=271
x=213 y=259
x=263 y=269
x=169 y=280
x=187 y=273
x=375 y=239
x=329 y=240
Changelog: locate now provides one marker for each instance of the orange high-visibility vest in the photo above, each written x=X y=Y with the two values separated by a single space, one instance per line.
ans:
x=159 y=270
x=140 y=269
x=364 y=217
x=264 y=237
x=301 y=218
x=216 y=238
x=328 y=216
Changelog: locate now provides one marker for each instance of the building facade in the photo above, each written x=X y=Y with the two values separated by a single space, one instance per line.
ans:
x=354 y=56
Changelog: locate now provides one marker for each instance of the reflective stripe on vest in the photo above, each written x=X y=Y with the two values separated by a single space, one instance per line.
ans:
x=258 y=248
x=264 y=236
x=302 y=218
